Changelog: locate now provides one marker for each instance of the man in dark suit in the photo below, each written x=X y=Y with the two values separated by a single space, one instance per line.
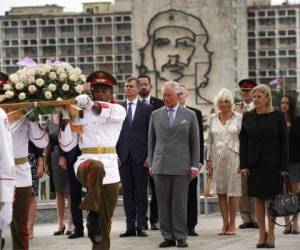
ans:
x=192 y=205
x=132 y=152
x=173 y=154
x=145 y=96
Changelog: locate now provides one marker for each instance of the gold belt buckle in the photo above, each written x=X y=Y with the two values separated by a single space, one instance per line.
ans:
x=99 y=150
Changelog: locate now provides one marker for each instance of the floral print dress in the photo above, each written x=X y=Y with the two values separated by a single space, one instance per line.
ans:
x=223 y=152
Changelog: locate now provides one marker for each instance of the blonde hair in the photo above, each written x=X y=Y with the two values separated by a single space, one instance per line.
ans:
x=264 y=89
x=224 y=95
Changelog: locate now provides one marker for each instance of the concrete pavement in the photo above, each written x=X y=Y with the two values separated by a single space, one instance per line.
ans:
x=208 y=239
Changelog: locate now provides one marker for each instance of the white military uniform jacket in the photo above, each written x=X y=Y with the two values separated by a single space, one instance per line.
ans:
x=21 y=135
x=7 y=163
x=243 y=107
x=98 y=131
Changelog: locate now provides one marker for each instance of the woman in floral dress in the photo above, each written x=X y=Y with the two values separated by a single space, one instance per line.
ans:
x=223 y=159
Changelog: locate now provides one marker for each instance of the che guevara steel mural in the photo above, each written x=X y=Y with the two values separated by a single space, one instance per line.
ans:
x=176 y=49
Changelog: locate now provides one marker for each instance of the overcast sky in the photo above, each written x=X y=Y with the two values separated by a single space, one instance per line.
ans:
x=70 y=5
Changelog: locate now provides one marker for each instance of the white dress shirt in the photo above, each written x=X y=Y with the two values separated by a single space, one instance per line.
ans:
x=133 y=106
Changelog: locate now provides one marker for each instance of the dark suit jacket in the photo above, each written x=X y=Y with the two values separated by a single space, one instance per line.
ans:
x=294 y=140
x=156 y=103
x=271 y=144
x=133 y=140
x=200 y=125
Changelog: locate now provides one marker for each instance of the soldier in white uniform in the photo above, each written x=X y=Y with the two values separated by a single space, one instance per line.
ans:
x=7 y=174
x=97 y=167
x=22 y=131
x=246 y=203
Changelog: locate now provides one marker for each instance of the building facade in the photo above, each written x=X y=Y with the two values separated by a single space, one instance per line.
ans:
x=98 y=38
x=274 y=44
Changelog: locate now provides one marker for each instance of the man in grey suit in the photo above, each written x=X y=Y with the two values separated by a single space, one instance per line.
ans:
x=173 y=154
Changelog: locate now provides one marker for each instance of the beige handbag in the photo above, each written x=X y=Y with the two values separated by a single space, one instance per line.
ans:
x=207 y=186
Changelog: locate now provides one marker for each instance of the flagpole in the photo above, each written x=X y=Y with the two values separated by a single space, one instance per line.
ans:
x=283 y=85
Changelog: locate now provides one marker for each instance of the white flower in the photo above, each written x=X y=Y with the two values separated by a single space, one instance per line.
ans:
x=52 y=75
x=31 y=89
x=40 y=82
x=22 y=96
x=82 y=78
x=59 y=99
x=47 y=68
x=31 y=79
x=19 y=86
x=52 y=87
x=14 y=78
x=78 y=89
x=22 y=77
x=62 y=76
x=73 y=77
x=77 y=71
x=6 y=86
x=48 y=95
x=65 y=87
x=9 y=94
x=41 y=72
x=2 y=98
x=30 y=72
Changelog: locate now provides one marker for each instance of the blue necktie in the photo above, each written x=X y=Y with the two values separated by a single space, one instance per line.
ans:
x=171 y=117
x=129 y=114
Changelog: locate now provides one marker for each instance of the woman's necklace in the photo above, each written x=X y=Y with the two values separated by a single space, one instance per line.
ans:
x=224 y=118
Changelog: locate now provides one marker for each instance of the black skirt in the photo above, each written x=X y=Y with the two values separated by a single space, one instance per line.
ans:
x=264 y=180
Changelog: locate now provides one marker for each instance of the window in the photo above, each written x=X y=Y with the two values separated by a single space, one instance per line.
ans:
x=251 y=14
x=262 y=53
x=291 y=32
x=271 y=53
x=107 y=19
x=281 y=13
x=118 y=19
x=127 y=18
x=32 y=22
x=271 y=13
x=70 y=21
x=261 y=13
x=281 y=32
x=282 y=52
x=292 y=52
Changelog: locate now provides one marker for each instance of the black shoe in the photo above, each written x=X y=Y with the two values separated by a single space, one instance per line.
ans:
x=75 y=234
x=182 y=243
x=141 y=233
x=254 y=225
x=128 y=233
x=154 y=226
x=2 y=244
x=260 y=245
x=167 y=243
x=60 y=232
x=246 y=225
x=93 y=227
x=68 y=232
x=192 y=232
x=267 y=245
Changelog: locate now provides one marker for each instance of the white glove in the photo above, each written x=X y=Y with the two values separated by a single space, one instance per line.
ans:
x=84 y=101
x=5 y=215
x=64 y=115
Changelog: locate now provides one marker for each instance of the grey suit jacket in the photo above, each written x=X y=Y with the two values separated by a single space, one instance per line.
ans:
x=173 y=150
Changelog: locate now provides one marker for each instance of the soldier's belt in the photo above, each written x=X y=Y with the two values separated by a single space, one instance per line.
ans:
x=22 y=160
x=99 y=150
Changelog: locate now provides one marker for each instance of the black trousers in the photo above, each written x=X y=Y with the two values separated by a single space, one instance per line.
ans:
x=192 y=204
x=134 y=178
x=75 y=189
x=153 y=202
